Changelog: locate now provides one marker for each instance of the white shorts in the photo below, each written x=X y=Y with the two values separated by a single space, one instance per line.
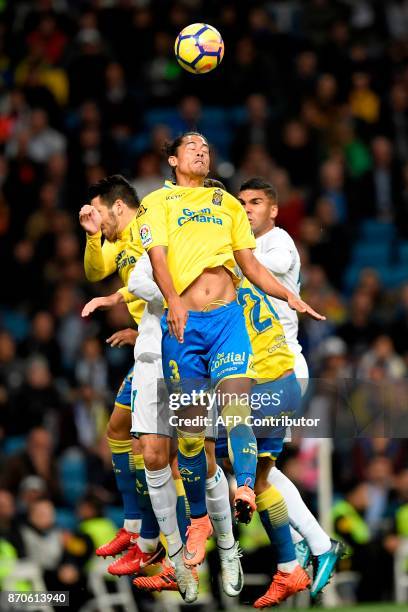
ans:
x=302 y=374
x=149 y=401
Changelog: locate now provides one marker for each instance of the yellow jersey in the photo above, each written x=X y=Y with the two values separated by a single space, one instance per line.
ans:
x=272 y=356
x=200 y=226
x=102 y=260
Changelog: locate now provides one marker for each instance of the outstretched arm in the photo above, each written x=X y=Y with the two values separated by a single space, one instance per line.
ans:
x=259 y=276
x=121 y=337
x=102 y=303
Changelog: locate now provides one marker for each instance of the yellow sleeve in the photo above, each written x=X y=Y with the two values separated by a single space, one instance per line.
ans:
x=153 y=221
x=127 y=296
x=242 y=236
x=99 y=260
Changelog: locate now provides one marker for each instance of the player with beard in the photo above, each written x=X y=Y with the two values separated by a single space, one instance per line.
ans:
x=113 y=245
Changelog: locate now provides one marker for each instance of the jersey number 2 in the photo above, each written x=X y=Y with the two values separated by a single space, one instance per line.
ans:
x=251 y=298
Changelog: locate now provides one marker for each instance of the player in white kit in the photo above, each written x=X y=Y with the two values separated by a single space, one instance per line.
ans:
x=276 y=250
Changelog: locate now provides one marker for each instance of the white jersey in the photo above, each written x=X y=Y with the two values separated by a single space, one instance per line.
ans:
x=278 y=253
x=142 y=284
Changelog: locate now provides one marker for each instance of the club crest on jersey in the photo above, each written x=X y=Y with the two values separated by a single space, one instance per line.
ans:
x=146 y=235
x=141 y=210
x=217 y=197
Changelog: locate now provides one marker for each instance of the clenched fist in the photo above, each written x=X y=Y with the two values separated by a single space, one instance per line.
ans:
x=90 y=219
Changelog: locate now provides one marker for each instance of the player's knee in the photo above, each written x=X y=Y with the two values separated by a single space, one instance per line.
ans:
x=154 y=455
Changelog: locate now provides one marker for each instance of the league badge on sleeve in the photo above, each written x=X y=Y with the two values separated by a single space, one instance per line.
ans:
x=146 y=235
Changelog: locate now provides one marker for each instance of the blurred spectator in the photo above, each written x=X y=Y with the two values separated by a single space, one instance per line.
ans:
x=91 y=416
x=43 y=543
x=87 y=68
x=399 y=328
x=37 y=459
x=256 y=162
x=41 y=342
x=291 y=203
x=31 y=489
x=394 y=119
x=42 y=140
x=66 y=310
x=368 y=555
x=38 y=396
x=258 y=129
x=119 y=106
x=91 y=367
x=8 y=524
x=333 y=189
x=303 y=81
x=148 y=174
x=379 y=191
x=11 y=367
x=383 y=353
x=333 y=233
x=189 y=116
x=48 y=38
x=364 y=102
x=39 y=221
x=361 y=328
x=297 y=153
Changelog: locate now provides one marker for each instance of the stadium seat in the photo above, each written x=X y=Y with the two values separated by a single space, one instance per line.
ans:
x=395 y=276
x=65 y=519
x=14 y=444
x=403 y=252
x=373 y=231
x=24 y=571
x=213 y=115
x=371 y=254
x=121 y=599
x=73 y=476
x=115 y=514
x=158 y=116
x=400 y=572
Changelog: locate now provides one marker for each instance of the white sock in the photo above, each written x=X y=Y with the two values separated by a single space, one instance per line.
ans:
x=147 y=545
x=299 y=514
x=219 y=510
x=163 y=496
x=287 y=567
x=133 y=525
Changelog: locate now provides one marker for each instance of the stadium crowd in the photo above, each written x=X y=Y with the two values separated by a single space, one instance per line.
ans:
x=311 y=95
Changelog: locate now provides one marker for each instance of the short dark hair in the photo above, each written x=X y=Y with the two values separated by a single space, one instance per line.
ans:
x=170 y=148
x=258 y=183
x=112 y=188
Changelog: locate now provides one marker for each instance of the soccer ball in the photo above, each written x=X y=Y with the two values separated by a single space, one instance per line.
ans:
x=199 y=48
